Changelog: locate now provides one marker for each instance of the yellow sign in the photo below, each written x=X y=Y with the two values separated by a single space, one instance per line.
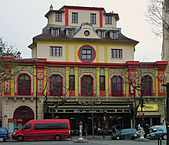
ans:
x=148 y=107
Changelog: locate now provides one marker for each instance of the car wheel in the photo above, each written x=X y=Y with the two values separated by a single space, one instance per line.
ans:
x=117 y=137
x=164 y=137
x=20 y=138
x=2 y=139
x=57 y=137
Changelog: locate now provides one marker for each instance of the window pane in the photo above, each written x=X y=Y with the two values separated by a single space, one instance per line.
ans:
x=89 y=51
x=89 y=56
x=84 y=51
x=83 y=56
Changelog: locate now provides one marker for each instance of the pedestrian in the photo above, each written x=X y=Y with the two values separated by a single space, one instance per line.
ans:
x=85 y=130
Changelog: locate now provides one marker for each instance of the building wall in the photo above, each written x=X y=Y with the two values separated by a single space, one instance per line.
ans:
x=52 y=19
x=70 y=51
x=83 y=17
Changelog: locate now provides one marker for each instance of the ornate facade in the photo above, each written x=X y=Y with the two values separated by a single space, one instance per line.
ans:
x=82 y=68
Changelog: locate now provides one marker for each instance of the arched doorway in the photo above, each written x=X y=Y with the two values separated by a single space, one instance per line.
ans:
x=23 y=114
x=87 y=86
x=55 y=85
x=24 y=85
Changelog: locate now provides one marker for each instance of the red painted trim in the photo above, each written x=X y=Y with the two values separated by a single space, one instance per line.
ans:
x=90 y=47
x=88 y=9
x=101 y=18
x=66 y=17
x=158 y=64
x=71 y=93
x=102 y=93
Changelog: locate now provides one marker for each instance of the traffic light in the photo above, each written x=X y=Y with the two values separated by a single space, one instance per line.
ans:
x=141 y=114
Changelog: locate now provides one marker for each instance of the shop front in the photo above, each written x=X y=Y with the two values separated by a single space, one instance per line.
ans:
x=150 y=115
x=99 y=114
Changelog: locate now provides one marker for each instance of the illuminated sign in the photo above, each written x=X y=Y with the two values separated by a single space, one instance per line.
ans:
x=148 y=107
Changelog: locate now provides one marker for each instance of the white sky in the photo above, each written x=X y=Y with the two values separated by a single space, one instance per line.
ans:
x=21 y=20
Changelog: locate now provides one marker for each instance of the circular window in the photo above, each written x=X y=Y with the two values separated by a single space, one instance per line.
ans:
x=87 y=53
x=86 y=33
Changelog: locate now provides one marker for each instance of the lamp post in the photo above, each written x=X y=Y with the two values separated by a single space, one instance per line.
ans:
x=167 y=107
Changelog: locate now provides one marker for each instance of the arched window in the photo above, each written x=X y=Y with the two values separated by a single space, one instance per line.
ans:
x=117 y=86
x=24 y=85
x=87 y=86
x=56 y=85
x=146 y=86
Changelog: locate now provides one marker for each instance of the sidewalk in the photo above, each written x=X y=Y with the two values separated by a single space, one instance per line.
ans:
x=90 y=137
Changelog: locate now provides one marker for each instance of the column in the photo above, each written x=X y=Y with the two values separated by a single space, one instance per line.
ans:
x=12 y=82
x=76 y=81
x=67 y=52
x=67 y=81
x=105 y=54
x=156 y=82
x=98 y=81
x=106 y=81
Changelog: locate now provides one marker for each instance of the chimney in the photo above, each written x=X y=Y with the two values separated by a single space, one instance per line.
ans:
x=51 y=7
x=18 y=55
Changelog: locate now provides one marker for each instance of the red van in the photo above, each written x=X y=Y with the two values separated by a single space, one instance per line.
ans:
x=43 y=129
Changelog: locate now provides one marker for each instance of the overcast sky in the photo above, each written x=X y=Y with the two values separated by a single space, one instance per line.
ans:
x=21 y=20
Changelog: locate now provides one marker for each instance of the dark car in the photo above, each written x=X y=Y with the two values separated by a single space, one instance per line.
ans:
x=157 y=131
x=3 y=134
x=125 y=134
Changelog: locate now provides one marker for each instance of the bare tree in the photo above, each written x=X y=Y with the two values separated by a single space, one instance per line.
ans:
x=59 y=100
x=8 y=57
x=157 y=15
x=136 y=83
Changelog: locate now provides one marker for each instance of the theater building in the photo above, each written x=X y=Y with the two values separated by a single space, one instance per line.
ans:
x=80 y=69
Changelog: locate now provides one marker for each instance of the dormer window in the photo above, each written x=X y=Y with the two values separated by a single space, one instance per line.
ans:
x=108 y=19
x=114 y=35
x=55 y=32
x=101 y=34
x=58 y=17
x=70 y=33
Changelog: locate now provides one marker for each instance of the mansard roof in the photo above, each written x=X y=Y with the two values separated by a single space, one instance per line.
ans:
x=62 y=36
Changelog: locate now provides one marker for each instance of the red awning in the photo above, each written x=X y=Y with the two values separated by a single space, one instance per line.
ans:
x=0 y=117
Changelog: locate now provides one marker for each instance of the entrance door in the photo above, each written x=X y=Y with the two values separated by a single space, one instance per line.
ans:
x=87 y=86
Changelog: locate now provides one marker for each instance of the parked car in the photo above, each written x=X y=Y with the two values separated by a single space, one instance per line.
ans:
x=3 y=134
x=56 y=129
x=125 y=134
x=157 y=131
